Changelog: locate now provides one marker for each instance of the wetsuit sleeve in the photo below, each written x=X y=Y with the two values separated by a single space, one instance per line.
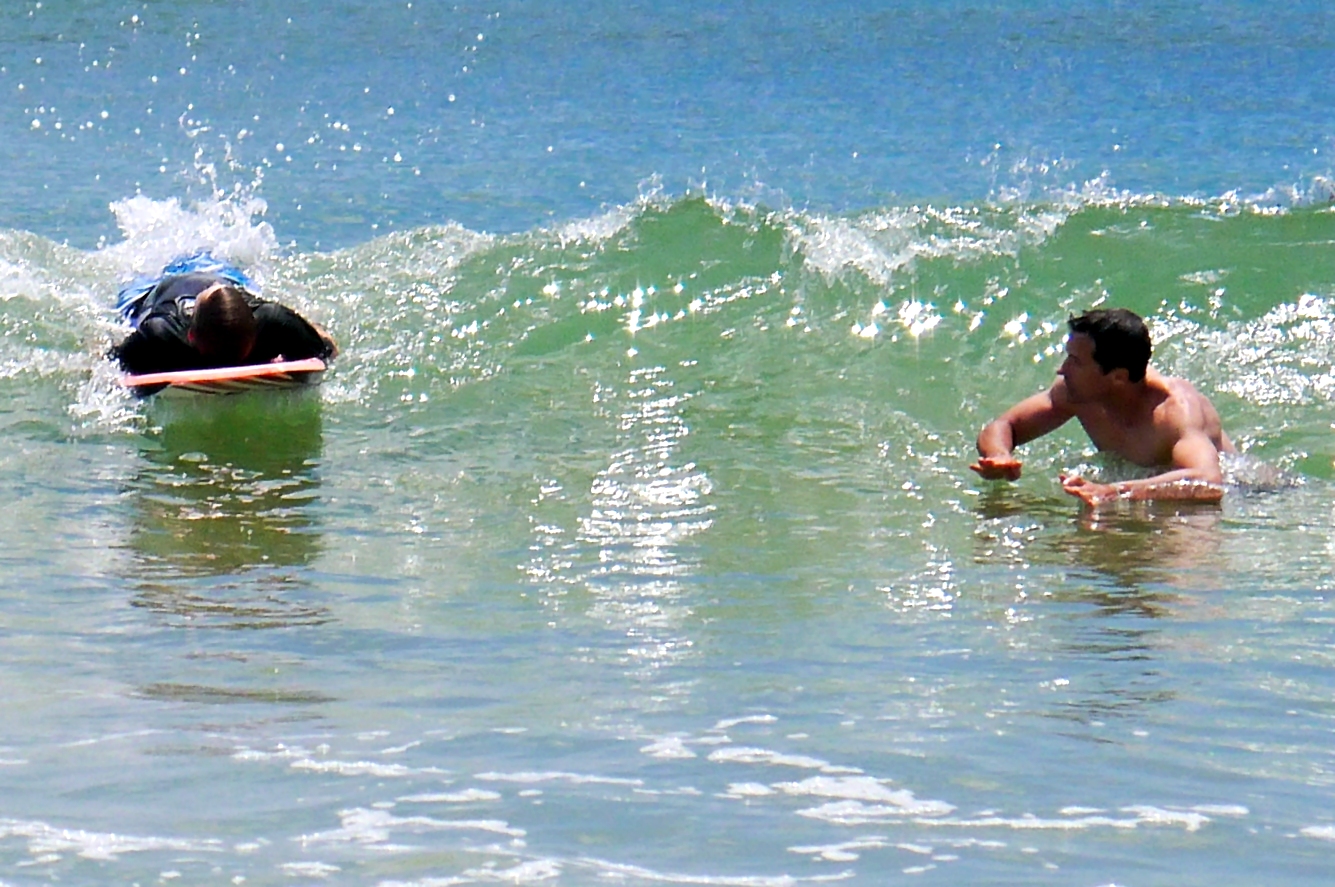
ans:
x=285 y=333
x=157 y=346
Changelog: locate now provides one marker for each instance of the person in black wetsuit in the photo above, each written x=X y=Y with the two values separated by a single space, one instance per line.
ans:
x=198 y=321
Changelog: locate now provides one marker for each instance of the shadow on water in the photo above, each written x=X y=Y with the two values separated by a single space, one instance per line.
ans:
x=1108 y=585
x=1142 y=553
x=222 y=525
x=1127 y=555
x=1001 y=501
x=1133 y=569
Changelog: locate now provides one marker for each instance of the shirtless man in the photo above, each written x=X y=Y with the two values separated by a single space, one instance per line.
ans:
x=1126 y=408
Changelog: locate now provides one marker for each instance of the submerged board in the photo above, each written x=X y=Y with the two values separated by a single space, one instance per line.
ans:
x=231 y=380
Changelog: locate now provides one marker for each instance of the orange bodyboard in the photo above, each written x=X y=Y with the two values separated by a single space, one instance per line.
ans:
x=233 y=380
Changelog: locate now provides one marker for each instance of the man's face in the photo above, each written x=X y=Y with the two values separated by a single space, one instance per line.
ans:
x=1085 y=379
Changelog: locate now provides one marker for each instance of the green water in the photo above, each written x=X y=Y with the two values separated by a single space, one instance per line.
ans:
x=645 y=551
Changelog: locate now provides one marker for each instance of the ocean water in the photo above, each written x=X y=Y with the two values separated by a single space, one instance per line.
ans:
x=631 y=539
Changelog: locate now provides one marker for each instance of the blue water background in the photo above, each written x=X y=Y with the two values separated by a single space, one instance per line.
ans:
x=508 y=115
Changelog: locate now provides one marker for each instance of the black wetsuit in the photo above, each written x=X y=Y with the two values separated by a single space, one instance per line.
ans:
x=159 y=343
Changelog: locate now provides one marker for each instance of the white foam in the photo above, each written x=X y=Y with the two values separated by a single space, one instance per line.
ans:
x=858 y=813
x=865 y=788
x=747 y=790
x=854 y=813
x=373 y=827
x=596 y=229
x=467 y=796
x=830 y=245
x=530 y=872
x=281 y=753
x=1221 y=809
x=749 y=755
x=1159 y=816
x=1029 y=822
x=1321 y=832
x=844 y=852
x=158 y=231
x=557 y=776
x=685 y=791
x=46 y=839
x=669 y=747
x=309 y=869
x=624 y=871
x=748 y=719
x=300 y=759
x=101 y=403
x=110 y=737
x=353 y=768
x=885 y=245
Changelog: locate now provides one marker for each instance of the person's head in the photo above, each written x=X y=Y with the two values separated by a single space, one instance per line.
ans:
x=1105 y=347
x=223 y=328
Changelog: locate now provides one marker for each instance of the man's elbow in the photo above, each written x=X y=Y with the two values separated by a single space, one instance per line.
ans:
x=1211 y=473
x=1204 y=484
x=995 y=438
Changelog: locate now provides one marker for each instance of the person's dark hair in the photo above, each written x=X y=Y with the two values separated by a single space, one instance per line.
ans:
x=224 y=327
x=1121 y=340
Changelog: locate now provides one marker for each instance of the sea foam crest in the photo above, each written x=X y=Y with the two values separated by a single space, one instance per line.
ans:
x=1315 y=191
x=887 y=244
x=158 y=231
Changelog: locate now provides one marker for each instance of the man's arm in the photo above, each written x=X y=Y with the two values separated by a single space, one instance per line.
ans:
x=1030 y=418
x=1196 y=477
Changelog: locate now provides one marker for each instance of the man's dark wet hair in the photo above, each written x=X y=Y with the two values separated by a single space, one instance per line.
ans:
x=1121 y=340
x=224 y=326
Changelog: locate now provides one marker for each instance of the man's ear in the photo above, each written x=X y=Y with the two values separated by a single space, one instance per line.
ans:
x=1120 y=376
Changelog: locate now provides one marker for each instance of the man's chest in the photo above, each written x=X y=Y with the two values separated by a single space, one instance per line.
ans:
x=1140 y=443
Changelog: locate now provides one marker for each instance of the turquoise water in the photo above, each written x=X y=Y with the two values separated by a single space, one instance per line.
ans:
x=631 y=539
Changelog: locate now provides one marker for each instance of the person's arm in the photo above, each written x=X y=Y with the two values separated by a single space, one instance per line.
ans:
x=1030 y=418
x=1195 y=477
x=283 y=333
x=157 y=346
x=326 y=338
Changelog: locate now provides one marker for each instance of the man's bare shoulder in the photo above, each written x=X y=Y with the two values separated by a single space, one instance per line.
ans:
x=1061 y=397
x=1180 y=399
x=1184 y=409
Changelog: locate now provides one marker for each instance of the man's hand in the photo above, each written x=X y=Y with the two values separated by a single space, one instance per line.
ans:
x=999 y=468
x=1093 y=494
